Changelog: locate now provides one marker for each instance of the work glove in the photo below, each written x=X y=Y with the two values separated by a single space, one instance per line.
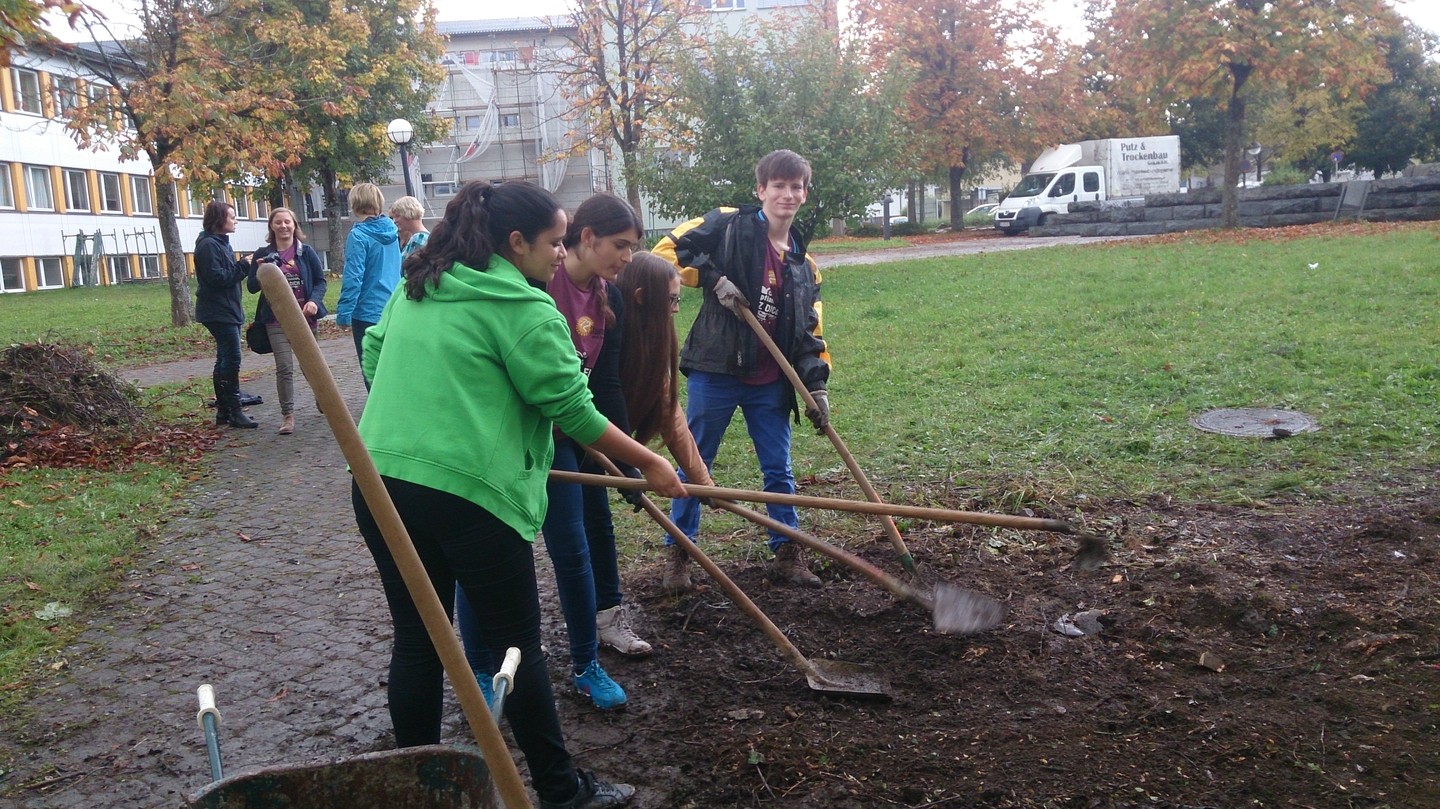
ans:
x=730 y=296
x=819 y=415
x=635 y=497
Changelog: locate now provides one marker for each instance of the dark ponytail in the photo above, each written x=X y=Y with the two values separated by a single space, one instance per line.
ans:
x=477 y=225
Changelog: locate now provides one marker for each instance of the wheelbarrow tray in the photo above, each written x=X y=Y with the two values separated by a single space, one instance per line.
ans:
x=429 y=777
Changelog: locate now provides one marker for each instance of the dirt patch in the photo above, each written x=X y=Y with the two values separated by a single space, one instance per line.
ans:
x=1282 y=656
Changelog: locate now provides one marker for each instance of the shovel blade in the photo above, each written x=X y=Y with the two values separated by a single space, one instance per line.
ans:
x=844 y=680
x=964 y=612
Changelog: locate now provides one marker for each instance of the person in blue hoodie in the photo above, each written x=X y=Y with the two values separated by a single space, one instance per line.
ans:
x=372 y=265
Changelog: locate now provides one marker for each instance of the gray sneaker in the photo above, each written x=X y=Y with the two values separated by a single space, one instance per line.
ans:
x=615 y=632
x=790 y=567
x=594 y=794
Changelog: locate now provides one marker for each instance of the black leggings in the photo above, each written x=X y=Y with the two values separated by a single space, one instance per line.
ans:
x=458 y=541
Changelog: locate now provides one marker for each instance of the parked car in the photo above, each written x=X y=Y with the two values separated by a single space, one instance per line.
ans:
x=982 y=208
x=899 y=220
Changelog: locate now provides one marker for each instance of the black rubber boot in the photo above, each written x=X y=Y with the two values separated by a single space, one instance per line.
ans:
x=236 y=416
x=222 y=407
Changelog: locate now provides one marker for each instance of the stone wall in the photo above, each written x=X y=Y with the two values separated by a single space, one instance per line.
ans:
x=1399 y=200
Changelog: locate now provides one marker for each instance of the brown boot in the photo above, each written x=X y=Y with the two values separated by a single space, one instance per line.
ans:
x=677 y=571
x=790 y=567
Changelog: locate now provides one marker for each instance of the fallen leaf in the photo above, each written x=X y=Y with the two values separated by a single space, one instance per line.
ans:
x=32 y=585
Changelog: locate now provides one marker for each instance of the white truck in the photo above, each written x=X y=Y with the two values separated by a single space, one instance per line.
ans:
x=1113 y=170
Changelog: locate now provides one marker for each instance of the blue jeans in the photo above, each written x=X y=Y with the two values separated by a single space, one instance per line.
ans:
x=227 y=348
x=357 y=331
x=766 y=408
x=462 y=544
x=580 y=538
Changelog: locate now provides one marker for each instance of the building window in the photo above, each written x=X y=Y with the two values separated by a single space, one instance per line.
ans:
x=195 y=202
x=37 y=188
x=510 y=120
x=7 y=194
x=472 y=122
x=77 y=190
x=49 y=272
x=262 y=209
x=140 y=195
x=99 y=94
x=117 y=269
x=150 y=266
x=27 y=91
x=511 y=55
x=110 y=201
x=12 y=275
x=67 y=94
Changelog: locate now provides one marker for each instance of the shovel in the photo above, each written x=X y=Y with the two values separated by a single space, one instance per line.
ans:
x=955 y=610
x=442 y=633
x=906 y=560
x=826 y=676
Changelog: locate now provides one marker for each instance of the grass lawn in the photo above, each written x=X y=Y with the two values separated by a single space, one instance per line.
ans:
x=128 y=324
x=1018 y=377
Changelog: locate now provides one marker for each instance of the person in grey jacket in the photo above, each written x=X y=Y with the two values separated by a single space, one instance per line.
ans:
x=217 y=307
x=372 y=265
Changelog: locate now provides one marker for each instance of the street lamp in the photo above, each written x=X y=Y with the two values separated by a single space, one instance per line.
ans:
x=401 y=133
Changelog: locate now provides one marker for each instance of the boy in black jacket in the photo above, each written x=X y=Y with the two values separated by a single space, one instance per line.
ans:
x=751 y=258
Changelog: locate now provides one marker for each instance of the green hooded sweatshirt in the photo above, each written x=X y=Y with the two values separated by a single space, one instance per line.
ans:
x=466 y=386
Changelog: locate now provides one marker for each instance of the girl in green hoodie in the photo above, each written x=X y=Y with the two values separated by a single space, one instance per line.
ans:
x=471 y=368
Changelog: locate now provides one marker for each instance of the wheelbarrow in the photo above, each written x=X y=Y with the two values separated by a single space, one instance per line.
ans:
x=429 y=777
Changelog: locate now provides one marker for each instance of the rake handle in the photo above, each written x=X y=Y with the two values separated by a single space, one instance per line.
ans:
x=829 y=503
x=397 y=538
x=869 y=571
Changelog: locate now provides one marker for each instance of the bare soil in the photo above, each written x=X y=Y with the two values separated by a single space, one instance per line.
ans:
x=1283 y=655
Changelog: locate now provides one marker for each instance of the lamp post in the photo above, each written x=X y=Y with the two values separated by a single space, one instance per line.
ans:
x=401 y=133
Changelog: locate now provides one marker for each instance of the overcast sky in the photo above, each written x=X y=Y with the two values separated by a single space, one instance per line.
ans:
x=1424 y=12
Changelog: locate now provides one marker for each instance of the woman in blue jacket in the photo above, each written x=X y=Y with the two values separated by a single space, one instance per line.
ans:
x=372 y=264
x=217 y=306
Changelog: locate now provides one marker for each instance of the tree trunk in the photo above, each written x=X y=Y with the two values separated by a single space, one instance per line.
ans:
x=628 y=170
x=330 y=195
x=957 y=208
x=910 y=200
x=1234 y=147
x=919 y=219
x=177 y=274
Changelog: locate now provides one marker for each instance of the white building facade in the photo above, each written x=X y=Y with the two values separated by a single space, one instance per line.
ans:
x=69 y=216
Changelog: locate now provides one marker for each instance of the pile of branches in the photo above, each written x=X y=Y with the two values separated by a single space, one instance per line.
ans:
x=58 y=409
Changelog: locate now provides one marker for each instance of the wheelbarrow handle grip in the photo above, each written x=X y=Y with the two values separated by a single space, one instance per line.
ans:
x=506 y=674
x=206 y=695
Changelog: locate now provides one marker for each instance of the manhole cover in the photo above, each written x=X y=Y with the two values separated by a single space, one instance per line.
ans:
x=1254 y=422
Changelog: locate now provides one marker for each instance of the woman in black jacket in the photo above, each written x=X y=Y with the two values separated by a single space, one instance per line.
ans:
x=217 y=306
x=287 y=250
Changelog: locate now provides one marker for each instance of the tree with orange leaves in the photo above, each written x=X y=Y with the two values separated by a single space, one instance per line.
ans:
x=1228 y=50
x=985 y=78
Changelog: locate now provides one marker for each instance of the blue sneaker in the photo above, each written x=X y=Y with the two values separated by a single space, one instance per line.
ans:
x=487 y=688
x=594 y=683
